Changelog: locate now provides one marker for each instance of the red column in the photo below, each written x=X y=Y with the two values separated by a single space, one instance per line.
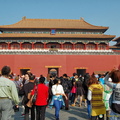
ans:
x=8 y=45
x=108 y=46
x=32 y=45
x=20 y=45
x=61 y=46
x=96 y=46
x=73 y=46
x=44 y=45
x=85 y=46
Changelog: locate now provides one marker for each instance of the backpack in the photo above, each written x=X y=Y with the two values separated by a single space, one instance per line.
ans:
x=111 y=97
x=114 y=106
x=65 y=86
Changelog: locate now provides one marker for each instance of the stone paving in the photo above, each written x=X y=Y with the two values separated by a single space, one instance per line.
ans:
x=75 y=113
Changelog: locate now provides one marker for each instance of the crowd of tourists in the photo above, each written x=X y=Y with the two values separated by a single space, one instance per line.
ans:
x=100 y=94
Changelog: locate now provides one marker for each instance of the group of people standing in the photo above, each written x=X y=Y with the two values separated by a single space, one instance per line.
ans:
x=60 y=93
x=56 y=93
x=104 y=96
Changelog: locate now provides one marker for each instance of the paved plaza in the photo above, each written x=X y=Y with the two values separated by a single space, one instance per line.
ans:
x=75 y=113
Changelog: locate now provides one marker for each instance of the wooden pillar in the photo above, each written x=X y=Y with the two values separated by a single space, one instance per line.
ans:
x=108 y=46
x=73 y=46
x=44 y=45
x=32 y=45
x=96 y=46
x=85 y=46
x=61 y=45
x=8 y=45
x=21 y=45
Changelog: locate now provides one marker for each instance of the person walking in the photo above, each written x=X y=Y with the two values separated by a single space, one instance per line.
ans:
x=66 y=87
x=57 y=99
x=85 y=86
x=53 y=76
x=41 y=100
x=50 y=84
x=8 y=93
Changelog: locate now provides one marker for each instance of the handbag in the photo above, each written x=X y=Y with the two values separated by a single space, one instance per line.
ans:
x=114 y=106
x=32 y=100
x=29 y=103
x=34 y=97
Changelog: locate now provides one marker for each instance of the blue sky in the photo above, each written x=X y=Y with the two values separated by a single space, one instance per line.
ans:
x=96 y=12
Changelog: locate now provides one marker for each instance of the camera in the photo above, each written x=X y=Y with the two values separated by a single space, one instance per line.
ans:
x=16 y=108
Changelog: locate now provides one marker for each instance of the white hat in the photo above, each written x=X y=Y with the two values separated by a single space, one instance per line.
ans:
x=110 y=80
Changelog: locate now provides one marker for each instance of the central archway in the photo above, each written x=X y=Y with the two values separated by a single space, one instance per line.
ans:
x=53 y=70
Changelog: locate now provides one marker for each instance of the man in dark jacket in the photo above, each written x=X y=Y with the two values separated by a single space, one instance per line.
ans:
x=25 y=90
x=66 y=87
x=51 y=83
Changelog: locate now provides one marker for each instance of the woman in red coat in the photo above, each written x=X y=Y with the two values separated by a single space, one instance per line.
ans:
x=41 y=100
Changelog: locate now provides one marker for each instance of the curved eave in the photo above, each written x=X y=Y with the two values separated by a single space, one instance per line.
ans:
x=52 y=27
x=117 y=44
x=29 y=35
x=61 y=28
x=116 y=39
x=114 y=47
x=52 y=23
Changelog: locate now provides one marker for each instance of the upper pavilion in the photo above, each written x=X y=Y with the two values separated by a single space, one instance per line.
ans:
x=57 y=33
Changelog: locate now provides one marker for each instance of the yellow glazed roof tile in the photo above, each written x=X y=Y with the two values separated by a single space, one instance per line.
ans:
x=53 y=23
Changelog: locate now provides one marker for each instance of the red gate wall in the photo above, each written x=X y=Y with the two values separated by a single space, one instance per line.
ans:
x=67 y=63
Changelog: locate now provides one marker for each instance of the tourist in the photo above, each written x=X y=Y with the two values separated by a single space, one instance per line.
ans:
x=22 y=79
x=73 y=89
x=115 y=100
x=25 y=79
x=29 y=73
x=85 y=86
x=41 y=100
x=57 y=99
x=48 y=79
x=66 y=87
x=81 y=78
x=25 y=90
x=106 y=97
x=73 y=92
x=79 y=92
x=51 y=83
x=8 y=93
x=101 y=79
x=72 y=76
x=17 y=83
x=75 y=77
x=95 y=95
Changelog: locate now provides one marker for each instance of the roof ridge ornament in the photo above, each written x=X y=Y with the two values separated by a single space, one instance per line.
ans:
x=81 y=18
x=24 y=17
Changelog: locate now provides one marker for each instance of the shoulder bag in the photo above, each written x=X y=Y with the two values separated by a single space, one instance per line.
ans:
x=34 y=97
